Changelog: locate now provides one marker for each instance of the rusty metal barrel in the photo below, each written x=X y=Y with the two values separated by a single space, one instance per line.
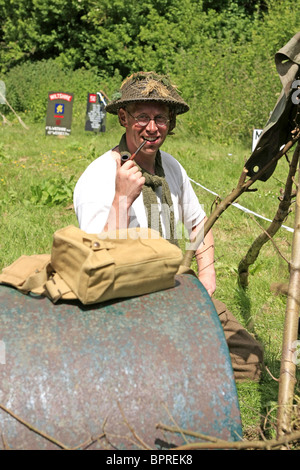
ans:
x=138 y=373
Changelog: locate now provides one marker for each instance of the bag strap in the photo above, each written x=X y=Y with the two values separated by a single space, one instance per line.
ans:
x=56 y=289
x=27 y=272
x=35 y=274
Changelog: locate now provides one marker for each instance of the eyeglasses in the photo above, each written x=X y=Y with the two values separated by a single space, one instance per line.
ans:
x=143 y=119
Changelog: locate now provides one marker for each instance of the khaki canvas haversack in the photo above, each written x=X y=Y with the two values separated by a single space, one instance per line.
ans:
x=97 y=267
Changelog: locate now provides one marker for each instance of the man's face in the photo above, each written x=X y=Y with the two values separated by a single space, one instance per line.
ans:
x=152 y=132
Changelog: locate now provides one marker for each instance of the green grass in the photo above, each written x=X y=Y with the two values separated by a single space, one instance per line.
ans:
x=37 y=176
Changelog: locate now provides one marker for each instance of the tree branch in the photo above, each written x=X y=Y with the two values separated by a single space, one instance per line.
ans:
x=281 y=214
x=242 y=187
x=215 y=443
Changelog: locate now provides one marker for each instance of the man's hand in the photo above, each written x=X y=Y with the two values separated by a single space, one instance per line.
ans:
x=129 y=182
x=208 y=279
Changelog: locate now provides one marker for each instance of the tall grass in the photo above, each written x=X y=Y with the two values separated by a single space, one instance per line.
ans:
x=33 y=164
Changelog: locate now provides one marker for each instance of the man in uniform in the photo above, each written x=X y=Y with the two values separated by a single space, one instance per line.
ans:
x=153 y=190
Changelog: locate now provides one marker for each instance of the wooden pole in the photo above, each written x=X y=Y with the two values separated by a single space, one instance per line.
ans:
x=287 y=378
x=18 y=117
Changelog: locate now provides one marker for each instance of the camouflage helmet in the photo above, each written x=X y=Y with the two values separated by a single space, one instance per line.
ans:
x=144 y=87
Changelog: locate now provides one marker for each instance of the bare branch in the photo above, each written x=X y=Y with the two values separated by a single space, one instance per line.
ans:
x=240 y=189
x=144 y=445
x=32 y=428
x=281 y=214
x=271 y=239
x=215 y=443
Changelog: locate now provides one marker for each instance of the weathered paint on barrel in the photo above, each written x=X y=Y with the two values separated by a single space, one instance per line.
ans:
x=115 y=370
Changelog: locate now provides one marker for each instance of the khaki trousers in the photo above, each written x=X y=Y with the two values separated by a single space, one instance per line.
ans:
x=246 y=353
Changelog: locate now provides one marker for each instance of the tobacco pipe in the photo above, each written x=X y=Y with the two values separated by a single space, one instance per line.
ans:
x=125 y=158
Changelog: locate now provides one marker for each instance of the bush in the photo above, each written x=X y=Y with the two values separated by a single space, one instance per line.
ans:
x=27 y=86
x=53 y=192
x=231 y=82
x=222 y=59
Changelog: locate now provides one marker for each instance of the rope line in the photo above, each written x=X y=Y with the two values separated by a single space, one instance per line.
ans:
x=238 y=206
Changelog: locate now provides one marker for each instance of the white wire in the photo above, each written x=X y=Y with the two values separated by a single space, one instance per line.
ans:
x=244 y=209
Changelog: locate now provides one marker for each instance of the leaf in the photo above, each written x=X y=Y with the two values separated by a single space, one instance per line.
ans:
x=53 y=192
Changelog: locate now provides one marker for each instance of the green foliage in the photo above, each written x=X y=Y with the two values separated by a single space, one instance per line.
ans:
x=28 y=86
x=247 y=6
x=54 y=191
x=113 y=34
x=3 y=156
x=232 y=84
x=220 y=54
x=39 y=29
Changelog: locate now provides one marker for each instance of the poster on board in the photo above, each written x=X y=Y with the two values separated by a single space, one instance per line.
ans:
x=59 y=113
x=95 y=112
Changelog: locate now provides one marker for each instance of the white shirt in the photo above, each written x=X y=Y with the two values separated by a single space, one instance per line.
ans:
x=95 y=191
